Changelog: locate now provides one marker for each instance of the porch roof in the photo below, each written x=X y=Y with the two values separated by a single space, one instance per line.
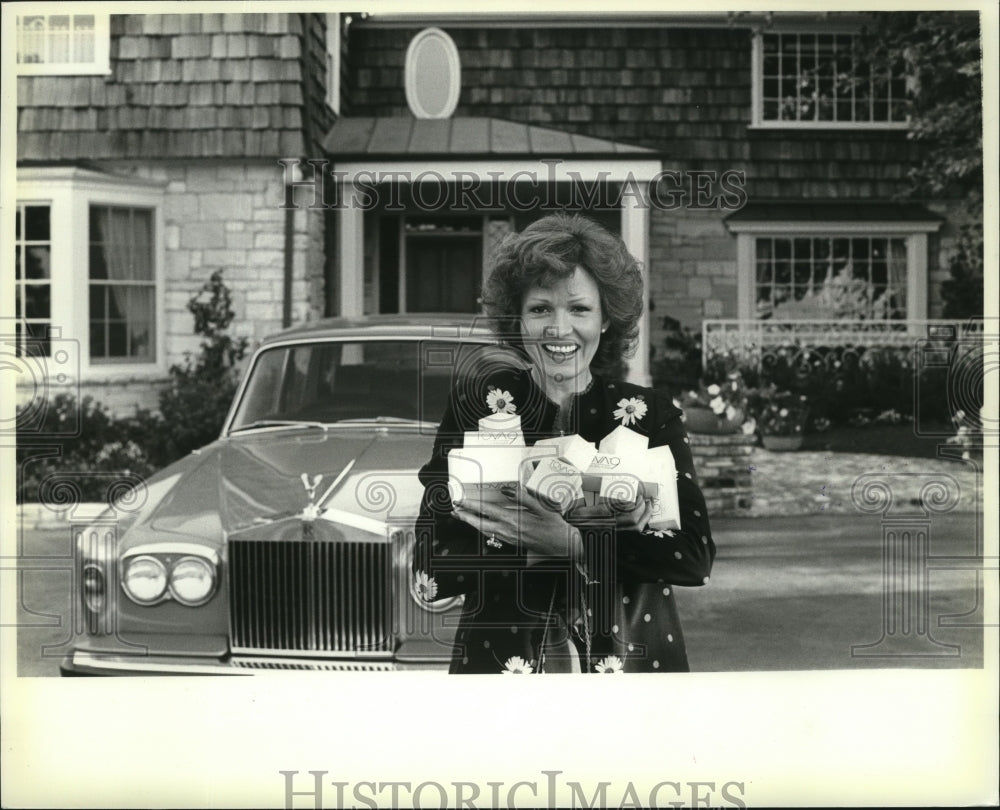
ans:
x=394 y=137
x=830 y=211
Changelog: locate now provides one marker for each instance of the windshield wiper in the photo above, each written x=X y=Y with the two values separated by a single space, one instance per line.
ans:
x=386 y=420
x=266 y=423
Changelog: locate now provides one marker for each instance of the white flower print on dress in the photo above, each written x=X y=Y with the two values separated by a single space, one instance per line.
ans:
x=630 y=410
x=425 y=586
x=610 y=665
x=500 y=401
x=516 y=665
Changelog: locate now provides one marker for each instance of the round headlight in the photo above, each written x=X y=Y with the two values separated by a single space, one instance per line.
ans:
x=145 y=579
x=192 y=580
x=93 y=587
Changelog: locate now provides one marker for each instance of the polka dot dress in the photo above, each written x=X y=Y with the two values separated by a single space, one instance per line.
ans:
x=614 y=612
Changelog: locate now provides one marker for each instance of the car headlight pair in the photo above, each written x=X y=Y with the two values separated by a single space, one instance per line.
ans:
x=189 y=579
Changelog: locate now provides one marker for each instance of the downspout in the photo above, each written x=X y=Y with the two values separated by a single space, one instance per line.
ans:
x=286 y=303
x=307 y=136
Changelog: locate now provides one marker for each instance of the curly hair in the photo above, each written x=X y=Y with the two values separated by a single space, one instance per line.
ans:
x=551 y=249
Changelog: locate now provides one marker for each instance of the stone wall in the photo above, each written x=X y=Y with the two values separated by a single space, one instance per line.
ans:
x=722 y=464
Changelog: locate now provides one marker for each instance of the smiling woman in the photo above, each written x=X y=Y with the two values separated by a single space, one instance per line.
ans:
x=585 y=585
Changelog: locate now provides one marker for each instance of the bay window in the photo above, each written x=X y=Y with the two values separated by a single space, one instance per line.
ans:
x=89 y=268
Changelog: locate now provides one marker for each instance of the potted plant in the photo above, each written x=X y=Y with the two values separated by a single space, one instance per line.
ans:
x=780 y=418
x=715 y=407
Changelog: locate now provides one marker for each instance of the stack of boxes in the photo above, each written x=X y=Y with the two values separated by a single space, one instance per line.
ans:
x=567 y=471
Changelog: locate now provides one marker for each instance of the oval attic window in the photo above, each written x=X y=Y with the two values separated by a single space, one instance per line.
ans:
x=433 y=74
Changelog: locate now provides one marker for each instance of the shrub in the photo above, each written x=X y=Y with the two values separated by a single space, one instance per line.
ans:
x=679 y=369
x=194 y=404
x=100 y=450
x=845 y=383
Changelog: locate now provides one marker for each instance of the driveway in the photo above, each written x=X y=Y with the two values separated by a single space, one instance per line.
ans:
x=787 y=593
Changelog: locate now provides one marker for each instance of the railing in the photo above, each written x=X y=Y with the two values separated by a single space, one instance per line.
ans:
x=751 y=341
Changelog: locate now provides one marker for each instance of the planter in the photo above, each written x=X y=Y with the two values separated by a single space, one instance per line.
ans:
x=782 y=443
x=704 y=420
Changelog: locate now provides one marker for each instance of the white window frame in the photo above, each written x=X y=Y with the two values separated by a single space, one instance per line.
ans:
x=333 y=62
x=69 y=193
x=757 y=120
x=100 y=65
x=411 y=79
x=914 y=234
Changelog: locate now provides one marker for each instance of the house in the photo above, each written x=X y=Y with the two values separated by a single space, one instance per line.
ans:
x=346 y=164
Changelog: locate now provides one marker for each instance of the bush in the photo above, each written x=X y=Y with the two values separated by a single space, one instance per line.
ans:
x=194 y=404
x=679 y=369
x=102 y=450
x=845 y=383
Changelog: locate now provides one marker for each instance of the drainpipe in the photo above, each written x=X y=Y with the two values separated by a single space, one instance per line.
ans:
x=286 y=302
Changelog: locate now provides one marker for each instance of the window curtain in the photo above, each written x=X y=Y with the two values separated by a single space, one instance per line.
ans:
x=898 y=279
x=126 y=239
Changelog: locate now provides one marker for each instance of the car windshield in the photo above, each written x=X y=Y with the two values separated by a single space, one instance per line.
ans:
x=326 y=382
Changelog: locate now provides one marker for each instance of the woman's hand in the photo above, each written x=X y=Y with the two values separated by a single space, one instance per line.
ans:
x=517 y=517
x=627 y=517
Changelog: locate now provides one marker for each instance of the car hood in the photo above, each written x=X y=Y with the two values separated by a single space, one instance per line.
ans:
x=252 y=480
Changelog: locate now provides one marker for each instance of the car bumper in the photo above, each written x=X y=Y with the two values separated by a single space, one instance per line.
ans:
x=88 y=663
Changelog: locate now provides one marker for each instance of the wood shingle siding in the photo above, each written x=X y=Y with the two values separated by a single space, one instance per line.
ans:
x=185 y=86
x=683 y=92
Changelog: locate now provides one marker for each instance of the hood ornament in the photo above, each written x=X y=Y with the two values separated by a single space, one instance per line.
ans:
x=312 y=509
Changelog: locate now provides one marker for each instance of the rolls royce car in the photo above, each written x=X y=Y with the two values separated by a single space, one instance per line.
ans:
x=286 y=543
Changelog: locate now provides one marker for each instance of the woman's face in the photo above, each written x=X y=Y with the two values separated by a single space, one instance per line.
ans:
x=562 y=327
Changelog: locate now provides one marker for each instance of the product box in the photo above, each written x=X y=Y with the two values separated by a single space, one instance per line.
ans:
x=666 y=507
x=491 y=456
x=558 y=469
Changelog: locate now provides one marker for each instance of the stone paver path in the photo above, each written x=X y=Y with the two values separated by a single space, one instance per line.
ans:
x=809 y=483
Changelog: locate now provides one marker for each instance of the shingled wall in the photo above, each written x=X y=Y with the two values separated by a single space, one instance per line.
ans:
x=182 y=86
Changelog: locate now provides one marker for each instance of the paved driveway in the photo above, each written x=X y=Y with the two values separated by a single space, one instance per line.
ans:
x=787 y=593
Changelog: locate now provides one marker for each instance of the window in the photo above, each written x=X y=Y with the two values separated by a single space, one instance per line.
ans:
x=433 y=74
x=813 y=80
x=122 y=285
x=827 y=277
x=827 y=270
x=89 y=266
x=33 y=279
x=62 y=43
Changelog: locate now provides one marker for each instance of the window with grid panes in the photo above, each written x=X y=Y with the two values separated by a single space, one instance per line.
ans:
x=33 y=279
x=830 y=277
x=122 y=277
x=819 y=79
x=62 y=43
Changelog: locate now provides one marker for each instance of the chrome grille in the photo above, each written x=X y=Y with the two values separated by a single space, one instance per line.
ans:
x=311 y=596
x=318 y=666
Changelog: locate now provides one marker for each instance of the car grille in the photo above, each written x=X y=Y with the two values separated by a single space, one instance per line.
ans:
x=310 y=596
x=318 y=666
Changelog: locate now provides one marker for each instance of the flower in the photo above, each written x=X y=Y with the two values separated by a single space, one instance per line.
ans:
x=727 y=399
x=630 y=410
x=516 y=665
x=779 y=413
x=611 y=665
x=425 y=586
x=500 y=401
